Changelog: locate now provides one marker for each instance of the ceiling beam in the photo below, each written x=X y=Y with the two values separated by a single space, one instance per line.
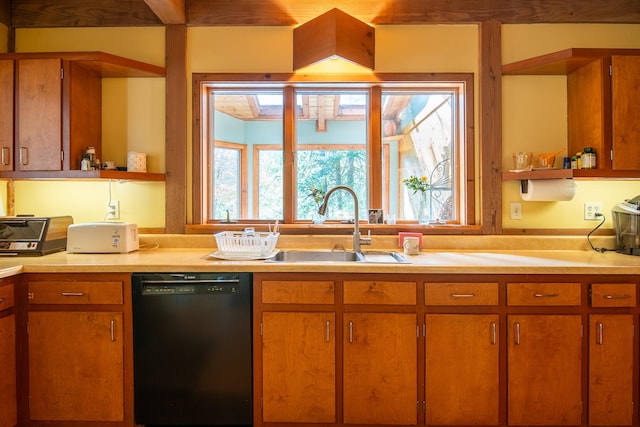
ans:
x=407 y=12
x=169 y=11
x=5 y=12
x=90 y=13
x=81 y=13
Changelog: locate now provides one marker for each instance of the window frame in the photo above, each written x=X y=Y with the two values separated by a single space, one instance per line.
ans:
x=288 y=83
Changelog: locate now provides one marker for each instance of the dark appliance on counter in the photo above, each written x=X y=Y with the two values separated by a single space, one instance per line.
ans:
x=626 y=222
x=33 y=236
x=192 y=349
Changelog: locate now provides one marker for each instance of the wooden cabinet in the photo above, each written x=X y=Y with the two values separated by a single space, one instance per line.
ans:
x=55 y=102
x=611 y=342
x=307 y=370
x=380 y=364
x=79 y=342
x=299 y=368
x=8 y=374
x=602 y=97
x=544 y=356
x=39 y=114
x=379 y=353
x=298 y=351
x=6 y=114
x=462 y=355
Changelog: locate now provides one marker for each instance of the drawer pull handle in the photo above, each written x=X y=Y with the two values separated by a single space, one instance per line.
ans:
x=517 y=328
x=72 y=294
x=463 y=295
x=5 y=156
x=328 y=331
x=493 y=333
x=24 y=156
x=623 y=296
x=2 y=299
x=350 y=331
x=113 y=331
x=600 y=336
x=539 y=295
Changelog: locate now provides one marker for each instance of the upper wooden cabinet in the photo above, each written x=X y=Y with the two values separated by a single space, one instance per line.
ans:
x=603 y=91
x=51 y=107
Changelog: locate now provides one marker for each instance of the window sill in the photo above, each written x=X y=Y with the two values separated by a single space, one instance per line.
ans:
x=336 y=228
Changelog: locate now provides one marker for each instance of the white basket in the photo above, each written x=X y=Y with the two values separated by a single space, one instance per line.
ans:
x=246 y=244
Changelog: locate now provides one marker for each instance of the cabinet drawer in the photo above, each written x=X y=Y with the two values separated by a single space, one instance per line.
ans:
x=567 y=294
x=298 y=292
x=461 y=293
x=6 y=297
x=51 y=292
x=379 y=292
x=613 y=295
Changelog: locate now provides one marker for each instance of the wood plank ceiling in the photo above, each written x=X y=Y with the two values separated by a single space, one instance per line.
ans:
x=73 y=13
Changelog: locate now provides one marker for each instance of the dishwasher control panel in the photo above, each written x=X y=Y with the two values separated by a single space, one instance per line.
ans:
x=189 y=289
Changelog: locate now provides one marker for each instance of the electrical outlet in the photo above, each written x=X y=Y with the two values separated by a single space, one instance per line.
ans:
x=516 y=210
x=591 y=209
x=113 y=210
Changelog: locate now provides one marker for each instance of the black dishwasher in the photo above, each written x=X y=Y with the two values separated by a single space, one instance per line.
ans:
x=192 y=349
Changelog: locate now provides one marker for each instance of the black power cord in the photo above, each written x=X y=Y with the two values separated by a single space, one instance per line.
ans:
x=601 y=250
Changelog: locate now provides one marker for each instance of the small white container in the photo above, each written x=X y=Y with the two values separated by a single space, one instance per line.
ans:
x=136 y=162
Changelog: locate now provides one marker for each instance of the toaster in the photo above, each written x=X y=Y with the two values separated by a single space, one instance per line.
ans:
x=102 y=238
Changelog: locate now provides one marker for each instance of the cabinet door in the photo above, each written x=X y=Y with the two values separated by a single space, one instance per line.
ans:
x=76 y=370
x=8 y=402
x=544 y=370
x=6 y=114
x=299 y=372
x=625 y=91
x=462 y=369
x=39 y=121
x=380 y=365
x=610 y=365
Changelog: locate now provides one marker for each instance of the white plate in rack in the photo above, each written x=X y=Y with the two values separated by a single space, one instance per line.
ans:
x=240 y=256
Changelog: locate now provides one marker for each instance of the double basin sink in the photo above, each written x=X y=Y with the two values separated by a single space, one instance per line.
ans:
x=301 y=256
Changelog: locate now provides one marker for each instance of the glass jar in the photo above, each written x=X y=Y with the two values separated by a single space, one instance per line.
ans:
x=588 y=158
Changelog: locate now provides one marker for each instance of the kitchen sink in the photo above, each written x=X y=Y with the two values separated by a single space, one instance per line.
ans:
x=379 y=257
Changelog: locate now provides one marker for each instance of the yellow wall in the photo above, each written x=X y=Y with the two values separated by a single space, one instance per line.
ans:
x=534 y=119
x=534 y=107
x=133 y=119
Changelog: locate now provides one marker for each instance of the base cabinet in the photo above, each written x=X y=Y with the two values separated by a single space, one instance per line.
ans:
x=8 y=378
x=380 y=383
x=462 y=369
x=75 y=366
x=610 y=365
x=344 y=350
x=299 y=369
x=78 y=337
x=544 y=370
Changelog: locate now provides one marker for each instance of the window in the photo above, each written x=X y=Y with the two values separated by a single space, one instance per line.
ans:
x=272 y=149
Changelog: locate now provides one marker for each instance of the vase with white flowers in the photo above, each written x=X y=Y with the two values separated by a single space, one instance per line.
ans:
x=419 y=185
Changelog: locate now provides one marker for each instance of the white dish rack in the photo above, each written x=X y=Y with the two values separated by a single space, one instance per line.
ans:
x=247 y=244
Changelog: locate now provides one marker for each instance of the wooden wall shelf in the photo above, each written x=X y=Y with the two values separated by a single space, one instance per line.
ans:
x=79 y=174
x=105 y=64
x=563 y=62
x=538 y=174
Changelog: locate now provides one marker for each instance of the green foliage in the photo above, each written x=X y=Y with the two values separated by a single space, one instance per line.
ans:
x=417 y=184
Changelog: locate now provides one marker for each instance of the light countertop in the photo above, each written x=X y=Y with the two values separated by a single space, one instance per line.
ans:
x=461 y=255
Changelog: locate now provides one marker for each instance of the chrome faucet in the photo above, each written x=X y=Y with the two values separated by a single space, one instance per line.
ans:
x=357 y=239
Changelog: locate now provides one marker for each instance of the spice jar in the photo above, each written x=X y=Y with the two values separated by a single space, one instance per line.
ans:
x=588 y=158
x=85 y=165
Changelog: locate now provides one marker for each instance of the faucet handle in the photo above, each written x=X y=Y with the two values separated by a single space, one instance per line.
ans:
x=365 y=240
